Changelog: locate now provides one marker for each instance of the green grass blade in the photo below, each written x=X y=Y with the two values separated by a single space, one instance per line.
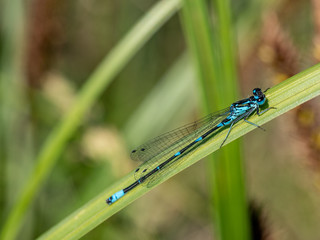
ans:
x=227 y=177
x=94 y=86
x=196 y=24
x=285 y=96
x=15 y=140
x=213 y=51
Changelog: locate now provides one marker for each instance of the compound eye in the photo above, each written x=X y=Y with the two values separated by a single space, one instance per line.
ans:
x=256 y=91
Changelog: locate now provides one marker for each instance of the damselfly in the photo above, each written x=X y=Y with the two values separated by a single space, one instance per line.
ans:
x=161 y=152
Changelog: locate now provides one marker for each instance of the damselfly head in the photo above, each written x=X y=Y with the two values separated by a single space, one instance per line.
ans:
x=257 y=93
x=259 y=96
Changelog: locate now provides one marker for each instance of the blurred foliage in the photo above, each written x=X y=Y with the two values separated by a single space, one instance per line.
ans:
x=49 y=48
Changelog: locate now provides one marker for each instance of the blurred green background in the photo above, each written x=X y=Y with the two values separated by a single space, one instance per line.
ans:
x=49 y=49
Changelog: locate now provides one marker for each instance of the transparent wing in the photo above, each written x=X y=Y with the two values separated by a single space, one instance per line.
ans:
x=159 y=149
x=155 y=146
x=172 y=165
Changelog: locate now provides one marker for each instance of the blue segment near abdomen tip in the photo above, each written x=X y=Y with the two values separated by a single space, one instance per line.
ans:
x=178 y=153
x=198 y=139
x=115 y=197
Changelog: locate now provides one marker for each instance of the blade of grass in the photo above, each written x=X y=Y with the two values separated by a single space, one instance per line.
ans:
x=15 y=132
x=196 y=24
x=285 y=96
x=229 y=191
x=96 y=83
x=215 y=61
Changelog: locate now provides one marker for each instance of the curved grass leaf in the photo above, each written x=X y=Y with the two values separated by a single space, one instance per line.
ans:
x=284 y=96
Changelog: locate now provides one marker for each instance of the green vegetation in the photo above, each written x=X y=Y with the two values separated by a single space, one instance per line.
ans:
x=64 y=149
